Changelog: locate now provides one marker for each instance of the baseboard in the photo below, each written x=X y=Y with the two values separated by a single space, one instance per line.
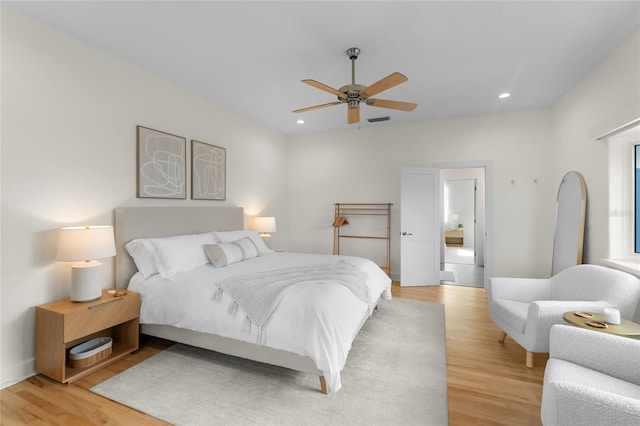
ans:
x=19 y=372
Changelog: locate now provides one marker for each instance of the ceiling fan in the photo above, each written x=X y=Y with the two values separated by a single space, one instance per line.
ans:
x=353 y=94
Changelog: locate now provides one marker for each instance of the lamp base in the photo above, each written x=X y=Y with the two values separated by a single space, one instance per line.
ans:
x=85 y=281
x=266 y=238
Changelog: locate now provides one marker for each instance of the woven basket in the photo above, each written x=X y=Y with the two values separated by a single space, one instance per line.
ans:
x=88 y=353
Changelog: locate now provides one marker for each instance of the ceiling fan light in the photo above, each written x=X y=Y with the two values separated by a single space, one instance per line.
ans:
x=504 y=95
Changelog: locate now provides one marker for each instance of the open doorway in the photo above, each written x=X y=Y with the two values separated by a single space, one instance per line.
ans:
x=463 y=217
x=459 y=221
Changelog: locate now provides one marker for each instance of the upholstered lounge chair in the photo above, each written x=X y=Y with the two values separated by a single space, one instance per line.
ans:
x=591 y=378
x=526 y=308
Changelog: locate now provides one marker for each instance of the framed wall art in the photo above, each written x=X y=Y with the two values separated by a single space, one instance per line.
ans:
x=208 y=171
x=161 y=164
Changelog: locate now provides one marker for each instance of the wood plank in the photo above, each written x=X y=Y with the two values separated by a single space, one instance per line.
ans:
x=488 y=382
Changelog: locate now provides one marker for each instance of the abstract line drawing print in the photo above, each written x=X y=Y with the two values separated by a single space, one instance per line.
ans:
x=208 y=171
x=161 y=164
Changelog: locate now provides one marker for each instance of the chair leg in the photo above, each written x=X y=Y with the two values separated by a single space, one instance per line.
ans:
x=503 y=336
x=529 y=360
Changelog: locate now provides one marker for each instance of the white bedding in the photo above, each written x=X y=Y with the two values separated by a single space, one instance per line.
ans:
x=317 y=321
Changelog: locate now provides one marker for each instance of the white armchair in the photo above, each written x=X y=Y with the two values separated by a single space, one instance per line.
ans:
x=526 y=308
x=591 y=378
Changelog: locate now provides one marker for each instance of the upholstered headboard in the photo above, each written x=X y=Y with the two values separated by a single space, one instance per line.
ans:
x=141 y=222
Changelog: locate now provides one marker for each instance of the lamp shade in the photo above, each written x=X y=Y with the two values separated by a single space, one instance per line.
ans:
x=264 y=224
x=86 y=243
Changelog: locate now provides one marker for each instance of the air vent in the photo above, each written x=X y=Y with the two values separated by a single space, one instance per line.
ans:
x=375 y=120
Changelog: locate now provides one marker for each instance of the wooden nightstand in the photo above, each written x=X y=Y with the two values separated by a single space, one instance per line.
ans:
x=454 y=238
x=63 y=324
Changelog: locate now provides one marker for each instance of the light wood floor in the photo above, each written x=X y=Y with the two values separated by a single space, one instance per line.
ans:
x=488 y=383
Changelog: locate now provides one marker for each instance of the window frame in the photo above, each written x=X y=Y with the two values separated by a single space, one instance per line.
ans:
x=622 y=176
x=636 y=191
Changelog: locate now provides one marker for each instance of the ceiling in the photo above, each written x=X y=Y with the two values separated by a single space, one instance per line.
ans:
x=250 y=56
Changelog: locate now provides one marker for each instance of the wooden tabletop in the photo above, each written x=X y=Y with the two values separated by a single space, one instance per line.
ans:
x=596 y=322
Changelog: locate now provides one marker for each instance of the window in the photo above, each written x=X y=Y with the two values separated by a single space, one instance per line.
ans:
x=624 y=200
x=636 y=212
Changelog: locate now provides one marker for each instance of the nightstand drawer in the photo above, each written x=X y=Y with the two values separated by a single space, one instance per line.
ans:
x=100 y=315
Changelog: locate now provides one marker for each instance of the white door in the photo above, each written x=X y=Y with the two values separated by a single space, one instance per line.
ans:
x=420 y=227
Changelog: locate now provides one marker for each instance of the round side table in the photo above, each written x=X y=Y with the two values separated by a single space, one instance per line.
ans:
x=596 y=322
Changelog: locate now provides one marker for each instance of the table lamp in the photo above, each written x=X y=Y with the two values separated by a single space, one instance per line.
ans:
x=264 y=225
x=84 y=244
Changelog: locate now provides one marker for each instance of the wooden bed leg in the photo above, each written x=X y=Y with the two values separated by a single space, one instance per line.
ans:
x=503 y=336
x=529 y=360
x=323 y=385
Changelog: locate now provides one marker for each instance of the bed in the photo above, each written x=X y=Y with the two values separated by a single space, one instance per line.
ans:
x=311 y=327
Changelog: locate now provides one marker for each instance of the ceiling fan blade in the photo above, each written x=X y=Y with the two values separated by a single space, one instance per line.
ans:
x=317 y=107
x=386 y=83
x=353 y=115
x=324 y=87
x=382 y=103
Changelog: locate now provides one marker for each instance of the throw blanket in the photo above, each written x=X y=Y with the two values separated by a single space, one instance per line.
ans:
x=260 y=293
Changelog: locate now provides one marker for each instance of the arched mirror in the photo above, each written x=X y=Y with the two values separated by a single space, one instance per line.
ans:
x=570 y=212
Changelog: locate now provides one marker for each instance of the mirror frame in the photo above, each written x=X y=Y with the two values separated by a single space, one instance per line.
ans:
x=571 y=206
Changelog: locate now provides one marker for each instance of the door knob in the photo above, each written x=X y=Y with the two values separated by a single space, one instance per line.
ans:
x=407 y=233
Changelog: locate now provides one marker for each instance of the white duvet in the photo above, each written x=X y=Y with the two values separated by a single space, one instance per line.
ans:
x=317 y=321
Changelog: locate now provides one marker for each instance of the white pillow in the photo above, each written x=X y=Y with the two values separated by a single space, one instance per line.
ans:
x=248 y=248
x=181 y=253
x=224 y=254
x=229 y=236
x=143 y=255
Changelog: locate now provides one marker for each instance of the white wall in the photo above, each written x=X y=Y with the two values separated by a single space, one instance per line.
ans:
x=364 y=166
x=602 y=100
x=69 y=115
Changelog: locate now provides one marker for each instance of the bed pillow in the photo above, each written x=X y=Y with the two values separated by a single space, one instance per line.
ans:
x=224 y=254
x=143 y=256
x=248 y=248
x=181 y=253
x=230 y=236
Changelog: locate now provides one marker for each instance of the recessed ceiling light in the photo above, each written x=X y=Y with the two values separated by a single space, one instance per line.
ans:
x=300 y=121
x=504 y=95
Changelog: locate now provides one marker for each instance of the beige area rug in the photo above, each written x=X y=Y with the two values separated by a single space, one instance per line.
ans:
x=395 y=375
